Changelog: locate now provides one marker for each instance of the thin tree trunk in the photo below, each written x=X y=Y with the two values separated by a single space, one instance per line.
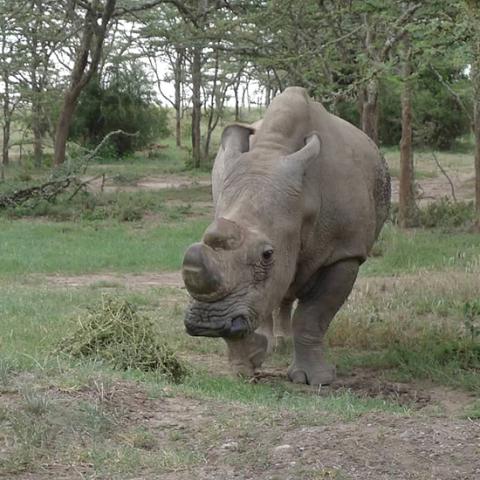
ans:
x=196 y=105
x=178 y=96
x=211 y=109
x=370 y=110
x=37 y=131
x=476 y=128
x=473 y=10
x=475 y=75
x=407 y=207
x=6 y=123
x=63 y=127
x=236 y=88
x=268 y=94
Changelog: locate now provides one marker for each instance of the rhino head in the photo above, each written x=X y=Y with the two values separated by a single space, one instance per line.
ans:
x=246 y=260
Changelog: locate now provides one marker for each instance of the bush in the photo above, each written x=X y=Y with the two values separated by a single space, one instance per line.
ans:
x=122 y=100
x=442 y=213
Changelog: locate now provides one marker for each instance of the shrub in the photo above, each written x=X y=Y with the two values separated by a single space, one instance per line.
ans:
x=122 y=100
x=442 y=213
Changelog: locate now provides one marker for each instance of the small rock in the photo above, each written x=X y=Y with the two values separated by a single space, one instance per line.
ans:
x=229 y=446
x=282 y=449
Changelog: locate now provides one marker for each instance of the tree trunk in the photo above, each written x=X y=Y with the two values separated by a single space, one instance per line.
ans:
x=37 y=130
x=407 y=207
x=370 y=110
x=6 y=123
x=196 y=106
x=63 y=127
x=5 y=142
x=268 y=94
x=476 y=127
x=474 y=10
x=178 y=96
x=236 y=88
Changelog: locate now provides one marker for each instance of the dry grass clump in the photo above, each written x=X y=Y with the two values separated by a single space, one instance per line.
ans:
x=116 y=333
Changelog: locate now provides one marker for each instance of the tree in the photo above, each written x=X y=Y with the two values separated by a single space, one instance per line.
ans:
x=473 y=15
x=8 y=65
x=407 y=208
x=122 y=100
x=87 y=59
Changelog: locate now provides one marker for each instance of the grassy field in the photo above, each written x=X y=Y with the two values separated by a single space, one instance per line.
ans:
x=407 y=347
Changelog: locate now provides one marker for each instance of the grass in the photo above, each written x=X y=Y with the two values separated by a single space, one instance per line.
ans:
x=73 y=248
x=425 y=166
x=414 y=251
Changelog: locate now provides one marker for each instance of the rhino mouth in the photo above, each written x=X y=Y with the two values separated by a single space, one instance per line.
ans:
x=201 y=320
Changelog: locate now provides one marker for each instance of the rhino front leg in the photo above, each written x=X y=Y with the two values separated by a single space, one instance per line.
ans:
x=315 y=310
x=247 y=354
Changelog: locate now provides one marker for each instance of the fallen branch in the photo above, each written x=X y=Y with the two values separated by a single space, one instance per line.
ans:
x=47 y=191
x=59 y=182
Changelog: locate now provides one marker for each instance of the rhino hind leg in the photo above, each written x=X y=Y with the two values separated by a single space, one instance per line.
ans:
x=282 y=326
x=267 y=329
x=312 y=317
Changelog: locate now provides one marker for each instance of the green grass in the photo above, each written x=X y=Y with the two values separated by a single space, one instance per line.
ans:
x=418 y=250
x=28 y=247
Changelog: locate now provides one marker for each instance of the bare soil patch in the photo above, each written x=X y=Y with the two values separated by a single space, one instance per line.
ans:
x=115 y=280
x=229 y=443
x=150 y=183
x=430 y=189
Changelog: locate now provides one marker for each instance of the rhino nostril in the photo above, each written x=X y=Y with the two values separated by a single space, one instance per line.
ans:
x=239 y=326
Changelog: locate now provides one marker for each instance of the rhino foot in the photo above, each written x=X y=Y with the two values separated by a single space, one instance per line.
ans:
x=312 y=374
x=247 y=354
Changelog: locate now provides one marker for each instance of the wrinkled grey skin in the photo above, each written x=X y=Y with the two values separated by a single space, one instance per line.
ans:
x=299 y=200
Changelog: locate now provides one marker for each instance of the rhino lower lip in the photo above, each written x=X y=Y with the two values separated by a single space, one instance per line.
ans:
x=235 y=327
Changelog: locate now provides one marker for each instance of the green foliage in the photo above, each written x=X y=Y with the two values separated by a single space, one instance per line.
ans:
x=438 y=118
x=121 y=100
x=471 y=319
x=442 y=213
x=447 y=214
x=116 y=333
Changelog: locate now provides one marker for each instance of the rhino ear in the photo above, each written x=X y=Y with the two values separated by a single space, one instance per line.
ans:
x=236 y=139
x=295 y=164
x=308 y=152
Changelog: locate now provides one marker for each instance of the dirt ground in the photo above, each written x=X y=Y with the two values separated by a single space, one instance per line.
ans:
x=374 y=446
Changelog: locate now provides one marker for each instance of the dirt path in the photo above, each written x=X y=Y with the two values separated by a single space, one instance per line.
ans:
x=115 y=280
x=430 y=189
x=154 y=183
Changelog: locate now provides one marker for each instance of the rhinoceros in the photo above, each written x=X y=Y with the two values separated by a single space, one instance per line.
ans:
x=300 y=198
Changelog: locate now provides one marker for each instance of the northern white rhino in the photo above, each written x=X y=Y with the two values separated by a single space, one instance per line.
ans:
x=299 y=201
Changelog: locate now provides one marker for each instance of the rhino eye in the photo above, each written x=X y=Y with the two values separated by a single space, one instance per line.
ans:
x=267 y=254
